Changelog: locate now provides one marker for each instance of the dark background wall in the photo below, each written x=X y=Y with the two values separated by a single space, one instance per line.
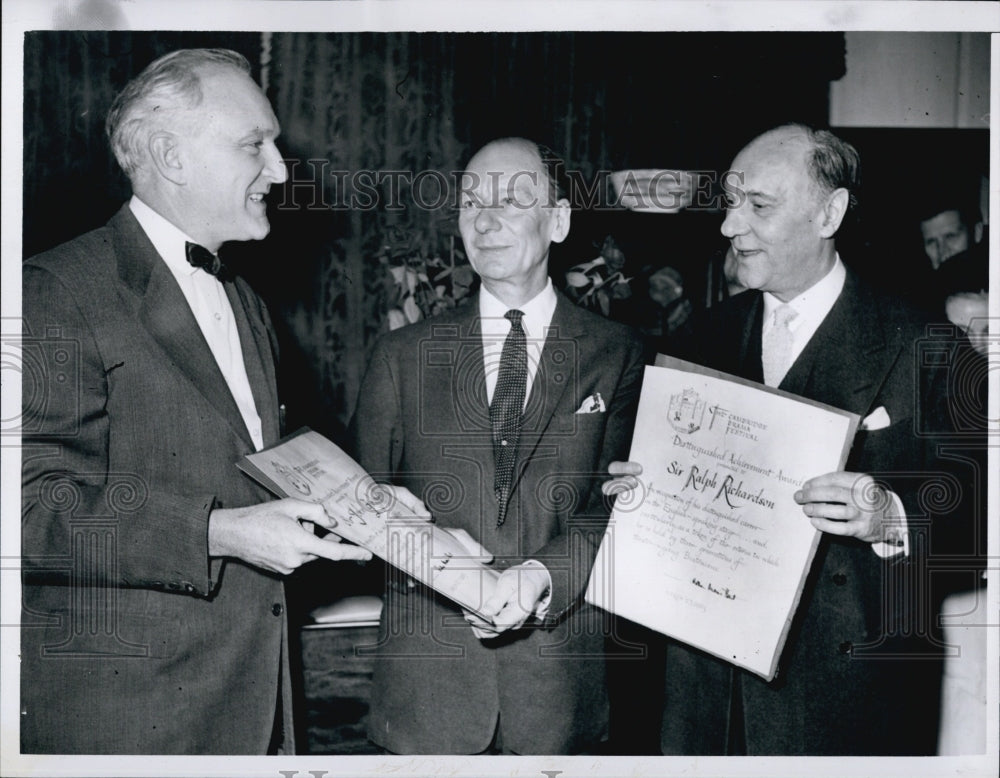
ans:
x=412 y=102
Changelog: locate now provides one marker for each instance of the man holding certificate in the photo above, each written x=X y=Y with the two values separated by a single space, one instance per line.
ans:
x=504 y=416
x=859 y=672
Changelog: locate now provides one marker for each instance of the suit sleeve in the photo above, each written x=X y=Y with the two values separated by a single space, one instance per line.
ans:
x=570 y=556
x=71 y=497
x=376 y=429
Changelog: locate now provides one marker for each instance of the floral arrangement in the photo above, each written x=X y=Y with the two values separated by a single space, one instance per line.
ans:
x=421 y=286
x=595 y=284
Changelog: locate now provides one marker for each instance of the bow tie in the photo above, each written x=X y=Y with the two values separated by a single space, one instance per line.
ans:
x=199 y=256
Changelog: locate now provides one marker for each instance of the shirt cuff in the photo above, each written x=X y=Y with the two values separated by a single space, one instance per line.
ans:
x=542 y=609
x=897 y=538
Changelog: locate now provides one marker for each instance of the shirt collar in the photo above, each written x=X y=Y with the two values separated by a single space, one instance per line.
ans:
x=167 y=238
x=815 y=302
x=538 y=312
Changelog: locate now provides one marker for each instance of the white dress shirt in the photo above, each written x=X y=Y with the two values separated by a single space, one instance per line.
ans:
x=811 y=307
x=536 y=322
x=209 y=304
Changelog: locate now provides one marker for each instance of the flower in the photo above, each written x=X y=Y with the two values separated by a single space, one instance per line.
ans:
x=596 y=283
x=419 y=286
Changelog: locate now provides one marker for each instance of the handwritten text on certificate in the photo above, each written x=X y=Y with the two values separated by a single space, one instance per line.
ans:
x=712 y=549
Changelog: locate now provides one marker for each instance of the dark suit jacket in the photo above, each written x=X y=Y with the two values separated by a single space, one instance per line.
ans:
x=859 y=673
x=423 y=421
x=132 y=640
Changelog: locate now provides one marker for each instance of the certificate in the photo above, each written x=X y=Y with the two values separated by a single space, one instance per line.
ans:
x=712 y=549
x=309 y=467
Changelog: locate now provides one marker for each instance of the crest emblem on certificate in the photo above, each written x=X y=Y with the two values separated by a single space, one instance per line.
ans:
x=296 y=481
x=686 y=411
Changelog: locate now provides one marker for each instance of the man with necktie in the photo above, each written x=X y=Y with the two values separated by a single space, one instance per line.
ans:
x=860 y=671
x=153 y=606
x=503 y=415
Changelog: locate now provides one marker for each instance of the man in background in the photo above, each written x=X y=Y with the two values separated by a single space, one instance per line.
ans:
x=504 y=415
x=948 y=229
x=153 y=609
x=860 y=672
x=952 y=232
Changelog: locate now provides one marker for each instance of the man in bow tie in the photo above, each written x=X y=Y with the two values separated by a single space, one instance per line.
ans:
x=504 y=415
x=154 y=611
x=861 y=669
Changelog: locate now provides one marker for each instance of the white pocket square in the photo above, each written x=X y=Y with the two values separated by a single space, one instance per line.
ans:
x=876 y=420
x=593 y=404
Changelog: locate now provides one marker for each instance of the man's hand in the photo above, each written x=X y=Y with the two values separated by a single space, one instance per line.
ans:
x=625 y=478
x=848 y=504
x=520 y=590
x=276 y=536
x=970 y=312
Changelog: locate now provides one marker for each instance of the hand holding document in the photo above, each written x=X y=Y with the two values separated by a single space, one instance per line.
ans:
x=711 y=548
x=388 y=521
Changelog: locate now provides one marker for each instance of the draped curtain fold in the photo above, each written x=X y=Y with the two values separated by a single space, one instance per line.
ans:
x=375 y=110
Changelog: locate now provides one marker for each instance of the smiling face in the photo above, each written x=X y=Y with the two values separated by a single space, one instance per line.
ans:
x=508 y=220
x=780 y=225
x=229 y=160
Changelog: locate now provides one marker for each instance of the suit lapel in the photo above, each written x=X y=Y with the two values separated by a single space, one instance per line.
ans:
x=847 y=358
x=559 y=364
x=258 y=360
x=750 y=350
x=859 y=355
x=166 y=315
x=453 y=385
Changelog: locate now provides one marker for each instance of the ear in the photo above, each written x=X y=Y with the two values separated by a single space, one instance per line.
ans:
x=165 y=155
x=560 y=216
x=977 y=232
x=834 y=210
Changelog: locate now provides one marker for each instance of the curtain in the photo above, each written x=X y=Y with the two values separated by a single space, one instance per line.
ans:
x=357 y=106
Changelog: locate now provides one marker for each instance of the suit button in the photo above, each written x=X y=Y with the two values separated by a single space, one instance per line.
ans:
x=276 y=609
x=839 y=579
x=845 y=647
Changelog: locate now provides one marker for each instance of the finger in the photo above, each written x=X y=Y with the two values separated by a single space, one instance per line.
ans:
x=300 y=510
x=333 y=514
x=480 y=628
x=493 y=606
x=336 y=551
x=832 y=511
x=823 y=494
x=625 y=468
x=506 y=591
x=841 y=528
x=512 y=616
x=483 y=634
x=475 y=619
x=408 y=500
